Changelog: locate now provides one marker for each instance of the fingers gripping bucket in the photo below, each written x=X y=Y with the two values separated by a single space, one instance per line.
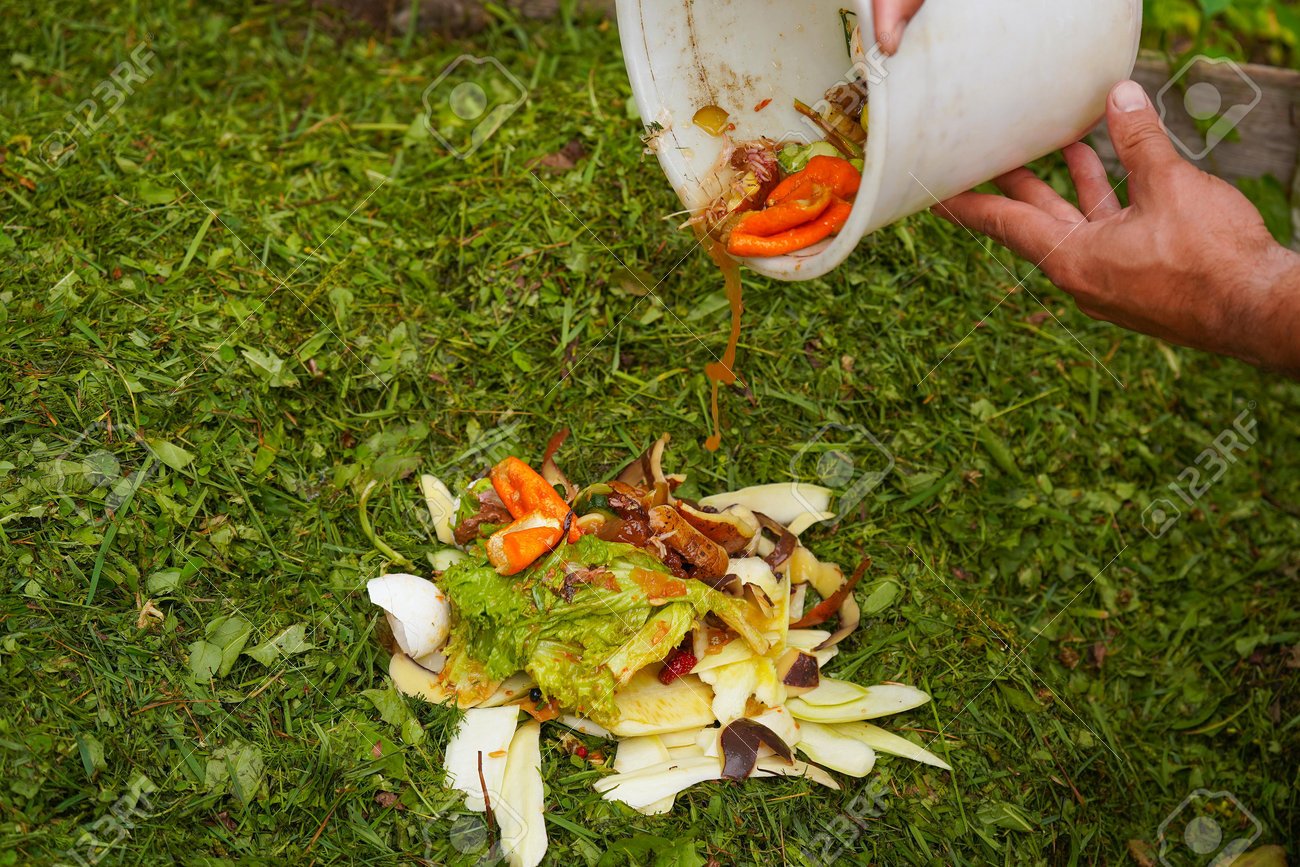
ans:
x=977 y=89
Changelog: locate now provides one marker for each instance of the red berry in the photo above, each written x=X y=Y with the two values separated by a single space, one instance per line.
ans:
x=580 y=752
x=679 y=662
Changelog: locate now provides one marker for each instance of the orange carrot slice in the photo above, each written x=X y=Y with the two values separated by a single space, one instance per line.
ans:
x=792 y=240
x=833 y=172
x=515 y=547
x=787 y=214
x=525 y=492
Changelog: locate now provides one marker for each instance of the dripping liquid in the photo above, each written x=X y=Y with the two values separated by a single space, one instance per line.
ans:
x=724 y=372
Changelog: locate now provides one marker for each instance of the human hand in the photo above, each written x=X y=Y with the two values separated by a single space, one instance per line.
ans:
x=891 y=16
x=1189 y=261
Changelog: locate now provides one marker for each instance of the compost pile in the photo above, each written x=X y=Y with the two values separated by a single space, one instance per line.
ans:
x=689 y=632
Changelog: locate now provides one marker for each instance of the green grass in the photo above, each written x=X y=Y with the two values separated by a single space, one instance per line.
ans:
x=1086 y=676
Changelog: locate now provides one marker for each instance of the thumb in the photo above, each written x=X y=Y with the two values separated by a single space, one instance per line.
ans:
x=891 y=16
x=1139 y=137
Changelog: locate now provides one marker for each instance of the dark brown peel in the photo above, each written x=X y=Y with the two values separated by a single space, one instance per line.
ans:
x=786 y=541
x=850 y=616
x=740 y=741
x=798 y=671
x=706 y=558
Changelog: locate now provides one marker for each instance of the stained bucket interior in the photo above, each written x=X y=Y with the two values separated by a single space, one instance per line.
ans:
x=975 y=90
x=752 y=59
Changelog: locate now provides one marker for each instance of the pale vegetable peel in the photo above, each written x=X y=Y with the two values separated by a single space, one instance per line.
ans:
x=755 y=571
x=679 y=738
x=887 y=742
x=446 y=558
x=441 y=505
x=807 y=519
x=648 y=707
x=879 y=701
x=483 y=734
x=412 y=679
x=513 y=688
x=830 y=748
x=635 y=754
x=732 y=686
x=805 y=568
x=831 y=691
x=641 y=789
x=688 y=752
x=810 y=640
x=585 y=726
x=732 y=651
x=518 y=811
x=783 y=502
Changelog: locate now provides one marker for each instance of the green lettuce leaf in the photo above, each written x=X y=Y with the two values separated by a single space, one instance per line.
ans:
x=653 y=641
x=566 y=633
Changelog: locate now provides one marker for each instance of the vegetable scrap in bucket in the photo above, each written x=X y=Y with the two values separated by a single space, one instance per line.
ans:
x=779 y=198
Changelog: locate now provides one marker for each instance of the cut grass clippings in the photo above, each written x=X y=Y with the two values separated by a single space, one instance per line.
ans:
x=257 y=288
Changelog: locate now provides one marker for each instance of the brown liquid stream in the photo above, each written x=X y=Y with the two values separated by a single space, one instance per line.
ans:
x=724 y=372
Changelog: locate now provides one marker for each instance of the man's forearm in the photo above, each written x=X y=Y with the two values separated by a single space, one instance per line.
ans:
x=1273 y=340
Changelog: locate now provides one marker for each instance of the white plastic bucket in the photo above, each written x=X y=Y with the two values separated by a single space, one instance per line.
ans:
x=977 y=88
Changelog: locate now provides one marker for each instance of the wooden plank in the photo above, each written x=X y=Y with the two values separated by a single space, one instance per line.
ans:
x=1268 y=133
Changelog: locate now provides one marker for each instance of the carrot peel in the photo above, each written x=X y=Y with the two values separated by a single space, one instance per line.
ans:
x=792 y=240
x=525 y=492
x=789 y=213
x=833 y=172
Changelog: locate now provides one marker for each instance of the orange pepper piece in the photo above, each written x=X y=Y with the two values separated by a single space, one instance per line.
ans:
x=741 y=244
x=833 y=172
x=518 y=545
x=790 y=212
x=525 y=492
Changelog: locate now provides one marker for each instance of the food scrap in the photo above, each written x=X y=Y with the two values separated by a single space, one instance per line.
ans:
x=713 y=120
x=628 y=613
x=776 y=197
